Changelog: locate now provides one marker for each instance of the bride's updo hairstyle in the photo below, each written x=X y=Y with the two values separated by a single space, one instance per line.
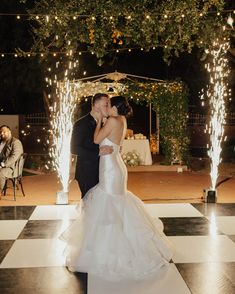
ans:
x=123 y=107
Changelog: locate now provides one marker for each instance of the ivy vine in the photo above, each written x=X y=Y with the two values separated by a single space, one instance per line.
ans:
x=170 y=101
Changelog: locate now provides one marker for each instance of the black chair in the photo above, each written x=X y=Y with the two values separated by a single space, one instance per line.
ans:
x=16 y=178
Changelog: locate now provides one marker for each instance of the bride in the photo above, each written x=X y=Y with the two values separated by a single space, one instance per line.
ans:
x=114 y=237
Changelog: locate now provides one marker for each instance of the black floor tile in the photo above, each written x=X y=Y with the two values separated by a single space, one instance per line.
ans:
x=185 y=226
x=5 y=246
x=16 y=212
x=41 y=229
x=232 y=237
x=53 y=280
x=218 y=209
x=203 y=278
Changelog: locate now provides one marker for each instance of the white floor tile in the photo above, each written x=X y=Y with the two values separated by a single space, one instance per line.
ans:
x=225 y=224
x=217 y=248
x=53 y=212
x=171 y=282
x=34 y=253
x=10 y=229
x=173 y=210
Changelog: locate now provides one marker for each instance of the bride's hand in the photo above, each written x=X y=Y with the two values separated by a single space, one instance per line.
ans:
x=98 y=116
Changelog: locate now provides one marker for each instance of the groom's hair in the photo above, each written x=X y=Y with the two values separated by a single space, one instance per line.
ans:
x=98 y=97
x=5 y=126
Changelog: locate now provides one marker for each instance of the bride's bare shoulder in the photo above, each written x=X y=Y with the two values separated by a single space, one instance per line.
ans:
x=113 y=120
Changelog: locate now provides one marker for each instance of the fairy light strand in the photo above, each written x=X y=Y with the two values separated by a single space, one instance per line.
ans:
x=93 y=17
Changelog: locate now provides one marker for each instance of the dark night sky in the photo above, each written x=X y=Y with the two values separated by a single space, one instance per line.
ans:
x=22 y=78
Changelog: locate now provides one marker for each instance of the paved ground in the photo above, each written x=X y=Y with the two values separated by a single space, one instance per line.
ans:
x=165 y=187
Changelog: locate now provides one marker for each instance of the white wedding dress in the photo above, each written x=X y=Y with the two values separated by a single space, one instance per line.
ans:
x=114 y=237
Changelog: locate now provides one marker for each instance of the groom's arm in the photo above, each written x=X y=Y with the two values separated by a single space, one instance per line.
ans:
x=105 y=150
x=82 y=144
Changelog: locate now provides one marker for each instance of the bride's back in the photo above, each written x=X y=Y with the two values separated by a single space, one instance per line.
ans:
x=118 y=131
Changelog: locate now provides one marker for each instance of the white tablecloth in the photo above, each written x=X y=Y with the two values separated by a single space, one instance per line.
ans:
x=141 y=147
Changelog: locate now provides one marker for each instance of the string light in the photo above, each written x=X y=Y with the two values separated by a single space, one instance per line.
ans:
x=70 y=53
x=37 y=16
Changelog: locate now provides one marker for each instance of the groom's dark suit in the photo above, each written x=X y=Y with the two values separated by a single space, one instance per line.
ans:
x=82 y=145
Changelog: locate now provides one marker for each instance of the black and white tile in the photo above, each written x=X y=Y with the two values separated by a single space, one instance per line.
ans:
x=203 y=237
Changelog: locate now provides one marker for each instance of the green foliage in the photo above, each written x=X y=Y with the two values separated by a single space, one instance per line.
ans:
x=170 y=101
x=101 y=26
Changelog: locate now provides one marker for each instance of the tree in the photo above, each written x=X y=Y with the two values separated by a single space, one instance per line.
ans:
x=102 y=26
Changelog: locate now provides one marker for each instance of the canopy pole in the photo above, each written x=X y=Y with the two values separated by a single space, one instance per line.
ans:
x=150 y=120
x=158 y=131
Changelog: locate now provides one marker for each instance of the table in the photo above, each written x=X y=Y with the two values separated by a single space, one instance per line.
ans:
x=141 y=147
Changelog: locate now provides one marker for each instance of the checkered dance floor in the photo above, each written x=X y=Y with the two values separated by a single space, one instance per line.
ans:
x=203 y=235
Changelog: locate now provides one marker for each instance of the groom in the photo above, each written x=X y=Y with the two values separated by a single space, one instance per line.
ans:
x=82 y=144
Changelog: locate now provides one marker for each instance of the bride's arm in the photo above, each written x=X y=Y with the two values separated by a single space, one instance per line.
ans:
x=103 y=132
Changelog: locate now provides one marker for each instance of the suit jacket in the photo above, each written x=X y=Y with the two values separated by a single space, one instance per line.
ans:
x=11 y=152
x=82 y=144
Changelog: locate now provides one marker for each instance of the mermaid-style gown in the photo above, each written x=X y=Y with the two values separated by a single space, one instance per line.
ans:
x=113 y=236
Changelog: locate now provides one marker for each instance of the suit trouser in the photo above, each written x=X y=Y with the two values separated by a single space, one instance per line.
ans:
x=5 y=172
x=87 y=175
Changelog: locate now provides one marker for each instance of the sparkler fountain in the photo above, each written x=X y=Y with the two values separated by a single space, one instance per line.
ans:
x=217 y=92
x=61 y=122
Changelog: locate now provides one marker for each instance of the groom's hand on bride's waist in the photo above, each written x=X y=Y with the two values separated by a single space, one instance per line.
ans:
x=105 y=150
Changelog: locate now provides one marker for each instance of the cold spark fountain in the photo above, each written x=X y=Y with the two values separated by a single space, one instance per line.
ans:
x=217 y=92
x=61 y=131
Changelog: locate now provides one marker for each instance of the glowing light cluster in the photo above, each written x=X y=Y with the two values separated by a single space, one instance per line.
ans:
x=91 y=88
x=61 y=131
x=217 y=92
